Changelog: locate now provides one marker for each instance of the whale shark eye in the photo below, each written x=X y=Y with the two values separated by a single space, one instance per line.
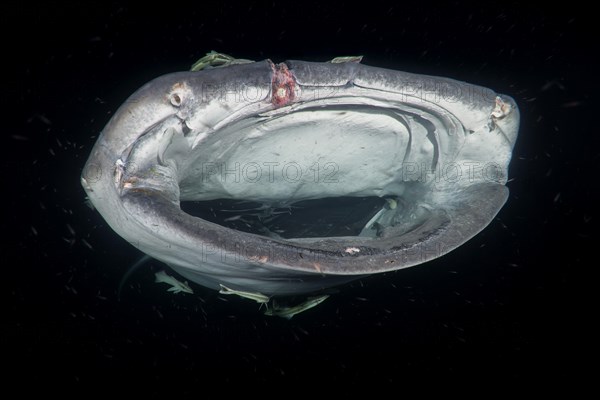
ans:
x=175 y=99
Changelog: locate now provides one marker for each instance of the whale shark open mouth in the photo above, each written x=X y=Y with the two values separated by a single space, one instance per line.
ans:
x=290 y=178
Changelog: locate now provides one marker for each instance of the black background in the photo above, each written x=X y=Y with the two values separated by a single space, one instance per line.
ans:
x=504 y=308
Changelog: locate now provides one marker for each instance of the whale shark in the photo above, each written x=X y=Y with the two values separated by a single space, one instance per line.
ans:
x=290 y=178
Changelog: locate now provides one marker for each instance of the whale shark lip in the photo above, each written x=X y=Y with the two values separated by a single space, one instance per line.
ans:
x=289 y=178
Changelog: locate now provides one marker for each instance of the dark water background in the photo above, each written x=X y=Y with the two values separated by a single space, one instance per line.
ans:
x=503 y=309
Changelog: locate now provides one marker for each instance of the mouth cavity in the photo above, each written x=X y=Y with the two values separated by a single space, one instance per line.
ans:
x=318 y=172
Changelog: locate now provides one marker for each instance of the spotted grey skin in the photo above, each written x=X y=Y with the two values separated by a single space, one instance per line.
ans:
x=439 y=149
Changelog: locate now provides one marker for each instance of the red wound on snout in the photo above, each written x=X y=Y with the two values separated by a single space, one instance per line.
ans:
x=283 y=88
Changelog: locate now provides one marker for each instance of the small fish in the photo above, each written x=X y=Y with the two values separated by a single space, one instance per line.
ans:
x=214 y=59
x=176 y=286
x=257 y=297
x=339 y=60
x=289 y=312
